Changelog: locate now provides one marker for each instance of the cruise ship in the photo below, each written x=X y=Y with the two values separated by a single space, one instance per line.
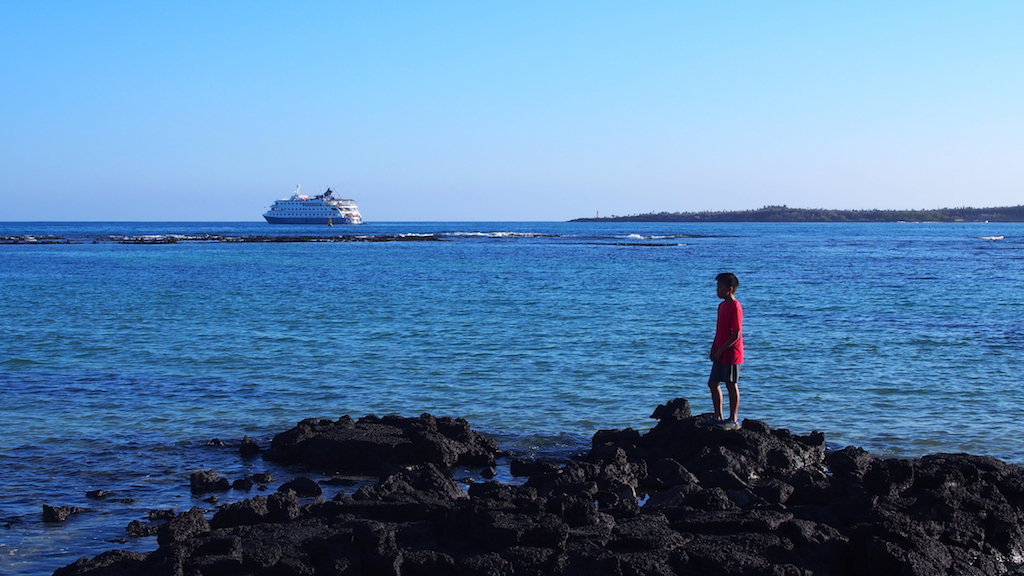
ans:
x=322 y=209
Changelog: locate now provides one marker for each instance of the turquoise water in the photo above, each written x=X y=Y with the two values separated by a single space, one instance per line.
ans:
x=119 y=361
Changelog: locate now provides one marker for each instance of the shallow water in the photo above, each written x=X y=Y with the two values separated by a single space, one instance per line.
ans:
x=120 y=361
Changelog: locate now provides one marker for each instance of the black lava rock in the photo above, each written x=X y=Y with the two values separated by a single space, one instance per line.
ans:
x=204 y=481
x=680 y=499
x=59 y=513
x=371 y=444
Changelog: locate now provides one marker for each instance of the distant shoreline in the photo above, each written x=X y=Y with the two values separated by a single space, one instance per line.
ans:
x=787 y=214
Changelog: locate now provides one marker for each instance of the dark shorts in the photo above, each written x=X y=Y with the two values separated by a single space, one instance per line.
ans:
x=724 y=372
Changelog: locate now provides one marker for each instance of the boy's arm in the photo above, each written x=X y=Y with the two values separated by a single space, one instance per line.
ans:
x=734 y=321
x=729 y=343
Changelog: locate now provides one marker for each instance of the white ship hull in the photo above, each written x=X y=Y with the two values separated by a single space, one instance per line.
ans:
x=330 y=221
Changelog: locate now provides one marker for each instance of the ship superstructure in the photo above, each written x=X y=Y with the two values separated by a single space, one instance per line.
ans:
x=322 y=209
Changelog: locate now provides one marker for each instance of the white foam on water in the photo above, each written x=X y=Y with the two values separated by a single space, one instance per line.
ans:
x=496 y=234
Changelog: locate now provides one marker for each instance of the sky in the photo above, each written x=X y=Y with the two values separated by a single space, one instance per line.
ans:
x=506 y=111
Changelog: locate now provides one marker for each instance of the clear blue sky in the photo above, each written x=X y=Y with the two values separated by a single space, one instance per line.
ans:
x=506 y=110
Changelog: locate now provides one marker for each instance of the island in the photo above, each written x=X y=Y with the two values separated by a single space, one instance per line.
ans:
x=787 y=214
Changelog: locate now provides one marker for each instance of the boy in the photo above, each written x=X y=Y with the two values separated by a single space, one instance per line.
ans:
x=727 y=351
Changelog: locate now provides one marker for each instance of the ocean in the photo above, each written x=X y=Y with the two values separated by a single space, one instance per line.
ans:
x=127 y=348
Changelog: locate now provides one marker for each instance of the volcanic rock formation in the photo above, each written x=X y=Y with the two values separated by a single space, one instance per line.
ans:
x=681 y=499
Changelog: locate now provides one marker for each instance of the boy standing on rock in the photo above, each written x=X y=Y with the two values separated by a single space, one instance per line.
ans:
x=727 y=351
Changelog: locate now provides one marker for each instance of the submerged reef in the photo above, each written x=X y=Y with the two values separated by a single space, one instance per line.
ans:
x=683 y=498
x=212 y=238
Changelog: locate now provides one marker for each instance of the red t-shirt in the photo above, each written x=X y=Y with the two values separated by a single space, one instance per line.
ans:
x=730 y=319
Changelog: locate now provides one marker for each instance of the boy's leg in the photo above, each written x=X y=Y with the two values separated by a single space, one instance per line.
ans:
x=734 y=400
x=716 y=397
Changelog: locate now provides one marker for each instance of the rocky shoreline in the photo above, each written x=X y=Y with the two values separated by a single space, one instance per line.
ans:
x=682 y=498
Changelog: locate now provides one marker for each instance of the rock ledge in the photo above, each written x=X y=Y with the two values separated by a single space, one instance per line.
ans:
x=680 y=499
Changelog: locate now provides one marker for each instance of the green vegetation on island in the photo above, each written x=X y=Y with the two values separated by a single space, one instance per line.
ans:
x=787 y=214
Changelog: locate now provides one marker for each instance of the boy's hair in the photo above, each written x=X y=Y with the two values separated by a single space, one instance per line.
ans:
x=729 y=279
